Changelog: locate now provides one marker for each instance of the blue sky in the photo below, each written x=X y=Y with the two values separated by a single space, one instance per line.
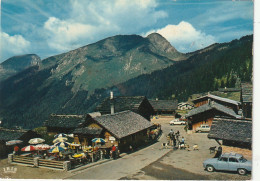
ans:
x=50 y=27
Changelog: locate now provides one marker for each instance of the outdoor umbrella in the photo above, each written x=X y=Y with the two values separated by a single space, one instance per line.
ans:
x=56 y=149
x=60 y=139
x=28 y=148
x=13 y=142
x=62 y=144
x=98 y=140
x=42 y=147
x=60 y=135
x=35 y=141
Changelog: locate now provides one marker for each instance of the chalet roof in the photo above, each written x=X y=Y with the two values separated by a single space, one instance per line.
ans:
x=89 y=131
x=7 y=135
x=123 y=123
x=167 y=105
x=231 y=129
x=247 y=92
x=217 y=98
x=65 y=121
x=212 y=105
x=94 y=114
x=121 y=103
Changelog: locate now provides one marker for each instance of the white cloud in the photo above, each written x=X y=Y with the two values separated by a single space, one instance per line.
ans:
x=184 y=37
x=90 y=21
x=13 y=45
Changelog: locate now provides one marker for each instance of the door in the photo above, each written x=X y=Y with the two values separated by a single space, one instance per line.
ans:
x=233 y=164
x=222 y=163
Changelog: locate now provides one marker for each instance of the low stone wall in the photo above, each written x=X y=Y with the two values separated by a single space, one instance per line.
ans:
x=245 y=152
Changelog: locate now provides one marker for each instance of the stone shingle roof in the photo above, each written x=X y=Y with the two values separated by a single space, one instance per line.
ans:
x=217 y=98
x=247 y=92
x=89 y=131
x=123 y=123
x=212 y=105
x=65 y=121
x=7 y=135
x=121 y=103
x=164 y=105
x=231 y=129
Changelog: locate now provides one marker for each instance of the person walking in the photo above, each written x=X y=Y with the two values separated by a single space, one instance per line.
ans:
x=171 y=134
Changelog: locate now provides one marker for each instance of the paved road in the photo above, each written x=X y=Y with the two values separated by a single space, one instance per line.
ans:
x=128 y=165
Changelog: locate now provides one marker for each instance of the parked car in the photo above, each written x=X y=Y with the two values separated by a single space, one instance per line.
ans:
x=177 y=121
x=229 y=162
x=203 y=128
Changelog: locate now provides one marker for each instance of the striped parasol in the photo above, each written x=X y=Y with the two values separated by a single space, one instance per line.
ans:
x=62 y=144
x=98 y=140
x=60 y=135
x=56 y=149
x=28 y=148
x=13 y=142
x=42 y=147
x=35 y=141
x=60 y=139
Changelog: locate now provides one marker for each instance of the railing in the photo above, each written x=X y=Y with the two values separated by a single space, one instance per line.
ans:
x=23 y=159
x=51 y=163
x=38 y=162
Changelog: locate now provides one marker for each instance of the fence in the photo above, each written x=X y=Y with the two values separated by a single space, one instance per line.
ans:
x=37 y=162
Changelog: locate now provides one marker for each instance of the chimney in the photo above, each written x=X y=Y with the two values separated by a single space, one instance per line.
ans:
x=111 y=95
x=112 y=107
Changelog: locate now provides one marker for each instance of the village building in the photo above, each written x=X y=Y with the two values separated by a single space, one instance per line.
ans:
x=229 y=89
x=63 y=123
x=235 y=135
x=122 y=128
x=205 y=114
x=164 y=107
x=232 y=104
x=11 y=134
x=247 y=99
x=137 y=104
x=185 y=106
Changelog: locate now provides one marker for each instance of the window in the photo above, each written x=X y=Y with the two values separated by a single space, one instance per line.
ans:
x=232 y=160
x=224 y=159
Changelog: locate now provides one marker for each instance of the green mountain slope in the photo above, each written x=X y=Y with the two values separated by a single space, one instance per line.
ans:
x=69 y=82
x=75 y=82
x=206 y=70
x=16 y=64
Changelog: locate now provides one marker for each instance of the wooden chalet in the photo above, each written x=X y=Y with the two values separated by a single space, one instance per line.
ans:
x=123 y=129
x=235 y=134
x=10 y=134
x=185 y=106
x=247 y=99
x=164 y=107
x=137 y=104
x=220 y=100
x=205 y=114
x=63 y=123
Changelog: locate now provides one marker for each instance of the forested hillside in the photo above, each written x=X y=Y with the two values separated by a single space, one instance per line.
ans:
x=28 y=98
x=216 y=66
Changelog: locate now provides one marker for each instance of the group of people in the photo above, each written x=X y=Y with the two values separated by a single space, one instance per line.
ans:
x=175 y=139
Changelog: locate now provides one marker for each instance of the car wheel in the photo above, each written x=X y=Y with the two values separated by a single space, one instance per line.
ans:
x=210 y=168
x=241 y=171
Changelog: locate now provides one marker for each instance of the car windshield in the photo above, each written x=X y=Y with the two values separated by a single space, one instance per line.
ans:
x=242 y=159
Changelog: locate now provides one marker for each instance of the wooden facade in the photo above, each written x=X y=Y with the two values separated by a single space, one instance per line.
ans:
x=137 y=104
x=235 y=134
x=8 y=134
x=114 y=129
x=204 y=114
x=235 y=105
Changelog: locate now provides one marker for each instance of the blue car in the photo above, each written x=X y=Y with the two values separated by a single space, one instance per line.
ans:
x=229 y=162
